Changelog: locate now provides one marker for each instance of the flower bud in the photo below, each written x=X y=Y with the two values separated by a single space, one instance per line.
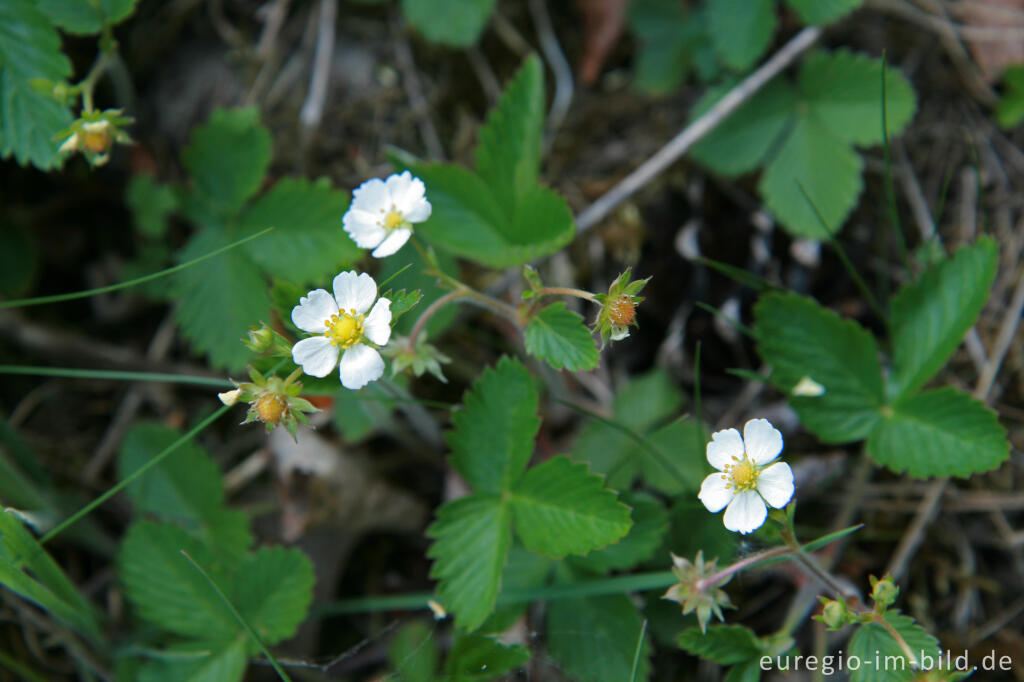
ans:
x=260 y=339
x=834 y=614
x=884 y=591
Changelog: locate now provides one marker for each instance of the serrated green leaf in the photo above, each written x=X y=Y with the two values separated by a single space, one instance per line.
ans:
x=510 y=143
x=28 y=570
x=457 y=23
x=594 y=639
x=219 y=298
x=165 y=588
x=749 y=671
x=650 y=523
x=822 y=11
x=29 y=48
x=562 y=509
x=227 y=158
x=272 y=590
x=799 y=338
x=742 y=142
x=475 y=658
x=741 y=30
x=815 y=160
x=307 y=243
x=207 y=661
x=665 y=34
x=150 y=203
x=873 y=643
x=493 y=436
x=844 y=91
x=722 y=644
x=931 y=316
x=76 y=16
x=402 y=301
x=471 y=542
x=558 y=336
x=939 y=433
x=413 y=653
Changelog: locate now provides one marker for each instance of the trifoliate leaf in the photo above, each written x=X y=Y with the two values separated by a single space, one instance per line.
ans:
x=227 y=158
x=558 y=336
x=219 y=299
x=150 y=203
x=493 y=436
x=413 y=653
x=457 y=23
x=650 y=523
x=931 y=316
x=185 y=489
x=475 y=658
x=562 y=509
x=741 y=30
x=799 y=338
x=75 y=16
x=594 y=639
x=508 y=152
x=815 y=161
x=307 y=243
x=272 y=590
x=822 y=11
x=29 y=571
x=844 y=91
x=872 y=642
x=206 y=661
x=665 y=34
x=939 y=433
x=166 y=589
x=742 y=142
x=471 y=541
x=723 y=644
x=29 y=49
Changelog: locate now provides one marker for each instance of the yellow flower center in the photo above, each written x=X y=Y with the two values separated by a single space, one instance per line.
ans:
x=742 y=475
x=271 y=407
x=393 y=219
x=622 y=311
x=345 y=329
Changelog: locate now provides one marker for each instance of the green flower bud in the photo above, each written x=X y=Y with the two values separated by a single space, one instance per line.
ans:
x=884 y=591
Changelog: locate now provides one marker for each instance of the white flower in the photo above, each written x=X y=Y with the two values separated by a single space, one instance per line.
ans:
x=383 y=211
x=745 y=480
x=342 y=326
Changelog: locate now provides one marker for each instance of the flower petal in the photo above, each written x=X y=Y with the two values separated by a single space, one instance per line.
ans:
x=419 y=210
x=714 y=493
x=354 y=292
x=746 y=513
x=359 y=366
x=377 y=325
x=776 y=484
x=393 y=242
x=724 y=446
x=398 y=185
x=763 y=441
x=371 y=196
x=317 y=355
x=314 y=310
x=363 y=228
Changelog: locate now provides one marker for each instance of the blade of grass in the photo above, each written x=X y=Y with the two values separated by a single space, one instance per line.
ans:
x=890 y=183
x=740 y=276
x=396 y=274
x=736 y=324
x=242 y=621
x=56 y=298
x=114 y=375
x=639 y=650
x=841 y=252
x=64 y=525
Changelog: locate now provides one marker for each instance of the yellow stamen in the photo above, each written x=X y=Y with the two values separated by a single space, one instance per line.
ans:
x=742 y=475
x=393 y=219
x=345 y=329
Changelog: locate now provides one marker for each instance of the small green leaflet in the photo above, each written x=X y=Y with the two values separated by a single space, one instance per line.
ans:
x=456 y=23
x=665 y=34
x=594 y=639
x=151 y=203
x=800 y=338
x=741 y=30
x=499 y=216
x=650 y=523
x=723 y=644
x=873 y=643
x=556 y=508
x=475 y=658
x=558 y=336
x=413 y=653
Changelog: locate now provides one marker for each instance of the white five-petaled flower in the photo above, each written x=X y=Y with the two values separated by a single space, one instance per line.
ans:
x=746 y=479
x=342 y=324
x=383 y=211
